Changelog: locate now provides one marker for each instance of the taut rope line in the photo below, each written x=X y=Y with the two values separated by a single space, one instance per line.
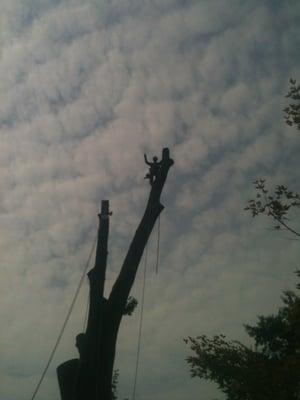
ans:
x=158 y=244
x=140 y=326
x=65 y=321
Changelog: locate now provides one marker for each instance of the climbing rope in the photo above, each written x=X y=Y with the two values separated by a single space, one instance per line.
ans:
x=142 y=307
x=158 y=243
x=140 y=326
x=65 y=321
x=86 y=315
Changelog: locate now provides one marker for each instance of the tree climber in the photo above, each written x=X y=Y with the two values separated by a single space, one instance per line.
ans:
x=154 y=169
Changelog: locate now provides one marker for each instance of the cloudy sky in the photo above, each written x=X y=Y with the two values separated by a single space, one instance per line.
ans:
x=87 y=87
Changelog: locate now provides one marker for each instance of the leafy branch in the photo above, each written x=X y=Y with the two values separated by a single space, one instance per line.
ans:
x=270 y=370
x=292 y=111
x=276 y=205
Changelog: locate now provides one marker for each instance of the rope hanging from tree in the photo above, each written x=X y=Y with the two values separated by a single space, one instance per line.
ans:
x=140 y=326
x=65 y=321
x=86 y=315
x=158 y=244
x=142 y=307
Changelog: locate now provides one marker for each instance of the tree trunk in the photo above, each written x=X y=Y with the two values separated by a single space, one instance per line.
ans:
x=121 y=289
x=97 y=353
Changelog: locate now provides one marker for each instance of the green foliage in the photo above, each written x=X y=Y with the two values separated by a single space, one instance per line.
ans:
x=292 y=112
x=270 y=371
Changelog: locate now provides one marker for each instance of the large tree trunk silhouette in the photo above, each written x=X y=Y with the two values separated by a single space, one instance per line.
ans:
x=97 y=347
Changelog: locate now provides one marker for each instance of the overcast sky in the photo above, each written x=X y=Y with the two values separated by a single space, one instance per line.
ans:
x=87 y=87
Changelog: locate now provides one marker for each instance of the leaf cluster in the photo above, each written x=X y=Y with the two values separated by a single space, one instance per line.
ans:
x=275 y=205
x=292 y=111
x=225 y=362
x=278 y=336
x=130 y=305
x=269 y=371
x=114 y=384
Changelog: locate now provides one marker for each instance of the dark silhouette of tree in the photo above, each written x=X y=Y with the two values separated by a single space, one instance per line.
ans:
x=92 y=375
x=269 y=371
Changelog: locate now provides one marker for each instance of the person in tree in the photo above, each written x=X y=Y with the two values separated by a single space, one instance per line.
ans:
x=92 y=375
x=153 y=170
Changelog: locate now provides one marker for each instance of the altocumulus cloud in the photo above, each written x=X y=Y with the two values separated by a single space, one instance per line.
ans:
x=86 y=88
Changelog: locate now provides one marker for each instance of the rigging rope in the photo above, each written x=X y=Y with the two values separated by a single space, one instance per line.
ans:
x=65 y=321
x=86 y=315
x=140 y=327
x=158 y=242
x=142 y=307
